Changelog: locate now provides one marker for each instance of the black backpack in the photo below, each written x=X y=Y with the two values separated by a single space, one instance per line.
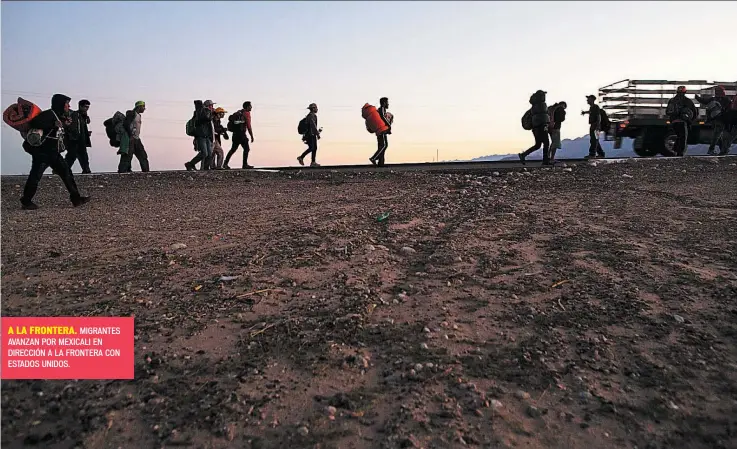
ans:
x=303 y=128
x=111 y=134
x=231 y=123
x=605 y=123
x=527 y=120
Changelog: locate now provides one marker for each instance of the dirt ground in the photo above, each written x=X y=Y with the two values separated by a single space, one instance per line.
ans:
x=584 y=307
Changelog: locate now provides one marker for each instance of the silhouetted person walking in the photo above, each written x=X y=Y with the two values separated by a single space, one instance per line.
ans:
x=594 y=113
x=132 y=126
x=382 y=139
x=78 y=135
x=311 y=137
x=239 y=123
x=540 y=121
x=48 y=143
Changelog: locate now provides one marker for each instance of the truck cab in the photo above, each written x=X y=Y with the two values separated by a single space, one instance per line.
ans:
x=636 y=109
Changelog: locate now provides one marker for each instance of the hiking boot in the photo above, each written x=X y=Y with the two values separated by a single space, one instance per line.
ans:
x=28 y=205
x=226 y=167
x=314 y=164
x=522 y=157
x=372 y=160
x=87 y=172
x=301 y=160
x=189 y=166
x=247 y=166
x=711 y=152
x=80 y=201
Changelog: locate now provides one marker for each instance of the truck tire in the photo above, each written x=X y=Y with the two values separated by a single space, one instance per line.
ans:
x=669 y=142
x=641 y=145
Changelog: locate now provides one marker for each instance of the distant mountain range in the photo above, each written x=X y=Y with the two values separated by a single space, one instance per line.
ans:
x=579 y=148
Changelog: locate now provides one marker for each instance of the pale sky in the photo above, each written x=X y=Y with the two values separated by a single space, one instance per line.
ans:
x=458 y=74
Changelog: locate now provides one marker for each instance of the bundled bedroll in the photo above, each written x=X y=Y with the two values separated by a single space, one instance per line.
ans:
x=374 y=123
x=19 y=115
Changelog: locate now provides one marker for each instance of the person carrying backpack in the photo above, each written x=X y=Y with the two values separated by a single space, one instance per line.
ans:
x=311 y=136
x=239 y=123
x=681 y=111
x=45 y=143
x=595 y=116
x=217 y=147
x=382 y=138
x=134 y=146
x=540 y=122
x=204 y=134
x=716 y=109
x=557 y=114
x=79 y=137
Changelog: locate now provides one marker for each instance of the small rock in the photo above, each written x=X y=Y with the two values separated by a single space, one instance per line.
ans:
x=519 y=394
x=679 y=319
x=496 y=405
x=418 y=367
x=304 y=431
x=429 y=365
x=177 y=246
x=426 y=330
x=496 y=173
x=406 y=250
x=569 y=169
x=424 y=346
x=227 y=278
x=331 y=411
x=533 y=412
x=626 y=176
x=370 y=248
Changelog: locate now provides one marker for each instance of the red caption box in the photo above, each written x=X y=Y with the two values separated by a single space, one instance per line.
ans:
x=67 y=348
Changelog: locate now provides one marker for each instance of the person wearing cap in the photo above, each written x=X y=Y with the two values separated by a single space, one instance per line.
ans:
x=557 y=114
x=681 y=111
x=312 y=136
x=594 y=113
x=239 y=123
x=78 y=136
x=217 y=147
x=135 y=146
x=540 y=122
x=204 y=134
x=721 y=103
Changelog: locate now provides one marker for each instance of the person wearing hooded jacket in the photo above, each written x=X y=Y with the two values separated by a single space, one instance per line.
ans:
x=51 y=123
x=718 y=131
x=78 y=135
x=134 y=145
x=682 y=112
x=540 y=121
x=204 y=133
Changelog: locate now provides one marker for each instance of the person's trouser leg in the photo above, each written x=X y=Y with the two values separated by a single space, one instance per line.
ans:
x=382 y=143
x=246 y=151
x=140 y=152
x=729 y=137
x=72 y=155
x=311 y=142
x=125 y=165
x=593 y=141
x=201 y=151
x=207 y=160
x=716 y=135
x=49 y=158
x=537 y=133
x=65 y=173
x=84 y=159
x=38 y=166
x=237 y=141
x=543 y=135
x=555 y=143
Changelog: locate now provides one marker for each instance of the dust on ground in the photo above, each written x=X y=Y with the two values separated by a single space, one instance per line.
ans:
x=579 y=307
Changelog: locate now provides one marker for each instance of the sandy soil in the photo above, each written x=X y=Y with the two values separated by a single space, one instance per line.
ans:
x=583 y=307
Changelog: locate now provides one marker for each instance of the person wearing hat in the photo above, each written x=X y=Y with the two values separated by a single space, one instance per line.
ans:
x=312 y=136
x=217 y=147
x=239 y=123
x=681 y=111
x=540 y=122
x=594 y=113
x=135 y=146
x=204 y=134
x=79 y=137
x=720 y=104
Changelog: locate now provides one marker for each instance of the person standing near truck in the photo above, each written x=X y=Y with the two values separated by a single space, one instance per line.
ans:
x=682 y=112
x=594 y=113
x=540 y=122
x=717 y=108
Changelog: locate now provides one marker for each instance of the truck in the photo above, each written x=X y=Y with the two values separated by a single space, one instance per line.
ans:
x=636 y=110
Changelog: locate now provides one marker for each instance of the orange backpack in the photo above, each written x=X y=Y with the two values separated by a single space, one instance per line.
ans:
x=374 y=123
x=19 y=115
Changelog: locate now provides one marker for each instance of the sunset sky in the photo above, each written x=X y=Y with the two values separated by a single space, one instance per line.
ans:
x=458 y=74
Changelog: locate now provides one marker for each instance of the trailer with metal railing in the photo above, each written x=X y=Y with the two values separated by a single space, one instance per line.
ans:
x=636 y=109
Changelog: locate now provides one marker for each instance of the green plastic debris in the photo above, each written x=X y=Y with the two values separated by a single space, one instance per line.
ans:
x=382 y=217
